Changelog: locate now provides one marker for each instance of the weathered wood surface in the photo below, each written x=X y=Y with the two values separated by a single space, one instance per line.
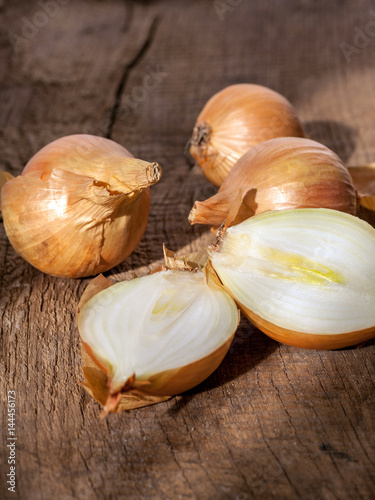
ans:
x=273 y=422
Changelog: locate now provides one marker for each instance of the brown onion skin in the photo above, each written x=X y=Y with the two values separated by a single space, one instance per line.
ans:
x=236 y=119
x=364 y=179
x=308 y=340
x=70 y=150
x=364 y=182
x=281 y=173
x=99 y=257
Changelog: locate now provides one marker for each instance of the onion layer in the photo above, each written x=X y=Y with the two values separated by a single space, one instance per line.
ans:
x=304 y=277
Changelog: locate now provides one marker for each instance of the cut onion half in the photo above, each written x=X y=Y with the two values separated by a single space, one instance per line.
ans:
x=155 y=336
x=305 y=277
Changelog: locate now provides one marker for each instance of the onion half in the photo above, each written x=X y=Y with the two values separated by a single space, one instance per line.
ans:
x=305 y=277
x=155 y=336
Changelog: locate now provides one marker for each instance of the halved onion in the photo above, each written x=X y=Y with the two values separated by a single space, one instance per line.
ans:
x=158 y=335
x=305 y=277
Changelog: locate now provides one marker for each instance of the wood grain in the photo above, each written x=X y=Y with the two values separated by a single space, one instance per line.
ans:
x=273 y=422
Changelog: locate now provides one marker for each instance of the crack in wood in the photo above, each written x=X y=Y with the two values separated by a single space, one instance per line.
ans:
x=126 y=73
x=129 y=15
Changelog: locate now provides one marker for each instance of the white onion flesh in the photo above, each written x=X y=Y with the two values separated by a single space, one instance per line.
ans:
x=305 y=270
x=162 y=321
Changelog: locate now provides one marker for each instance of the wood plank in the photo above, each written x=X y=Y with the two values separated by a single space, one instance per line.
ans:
x=273 y=422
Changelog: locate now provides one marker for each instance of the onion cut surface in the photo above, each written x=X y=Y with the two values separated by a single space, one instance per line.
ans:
x=306 y=277
x=160 y=334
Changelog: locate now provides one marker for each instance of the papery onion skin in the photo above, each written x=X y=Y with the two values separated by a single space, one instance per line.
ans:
x=95 y=383
x=364 y=182
x=294 y=337
x=4 y=177
x=281 y=173
x=80 y=206
x=364 y=179
x=158 y=386
x=236 y=119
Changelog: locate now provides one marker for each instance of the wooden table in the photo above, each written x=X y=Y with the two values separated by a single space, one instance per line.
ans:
x=273 y=422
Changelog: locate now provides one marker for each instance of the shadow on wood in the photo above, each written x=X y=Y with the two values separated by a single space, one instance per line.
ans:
x=249 y=348
x=339 y=137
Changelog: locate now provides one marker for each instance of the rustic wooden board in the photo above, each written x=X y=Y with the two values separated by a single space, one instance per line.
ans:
x=273 y=422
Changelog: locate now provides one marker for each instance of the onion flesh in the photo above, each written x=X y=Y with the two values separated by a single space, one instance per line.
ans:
x=144 y=332
x=310 y=272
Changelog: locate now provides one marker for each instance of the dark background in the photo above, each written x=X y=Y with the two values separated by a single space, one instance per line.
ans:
x=273 y=422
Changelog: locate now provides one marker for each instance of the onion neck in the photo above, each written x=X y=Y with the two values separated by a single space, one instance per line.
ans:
x=231 y=206
x=212 y=211
x=114 y=396
x=133 y=175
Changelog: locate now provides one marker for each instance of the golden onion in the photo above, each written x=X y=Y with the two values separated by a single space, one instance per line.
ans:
x=282 y=173
x=79 y=207
x=236 y=119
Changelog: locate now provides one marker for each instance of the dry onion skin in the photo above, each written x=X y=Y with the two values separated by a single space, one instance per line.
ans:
x=80 y=206
x=305 y=277
x=155 y=336
x=280 y=174
x=4 y=177
x=236 y=119
x=364 y=182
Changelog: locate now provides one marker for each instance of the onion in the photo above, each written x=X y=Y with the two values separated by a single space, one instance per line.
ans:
x=154 y=336
x=79 y=207
x=236 y=119
x=305 y=277
x=279 y=174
